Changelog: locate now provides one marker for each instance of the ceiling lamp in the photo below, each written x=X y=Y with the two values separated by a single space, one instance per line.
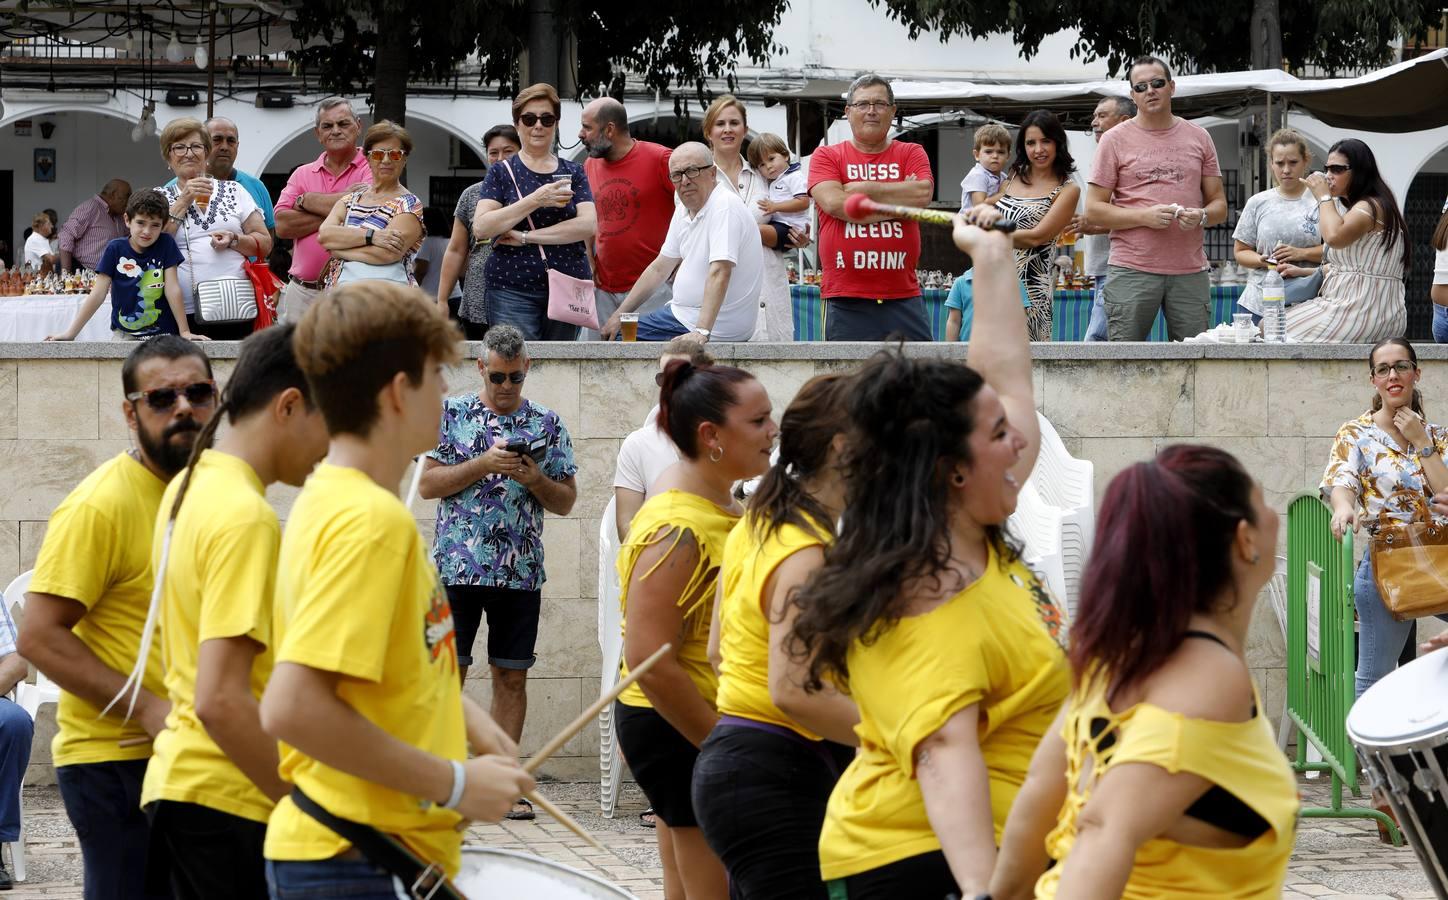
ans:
x=174 y=53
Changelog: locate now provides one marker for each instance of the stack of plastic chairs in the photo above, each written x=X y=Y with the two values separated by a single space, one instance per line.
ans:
x=29 y=697
x=610 y=645
x=1068 y=484
x=1038 y=523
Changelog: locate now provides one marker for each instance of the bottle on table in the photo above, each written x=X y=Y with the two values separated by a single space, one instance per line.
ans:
x=1274 y=307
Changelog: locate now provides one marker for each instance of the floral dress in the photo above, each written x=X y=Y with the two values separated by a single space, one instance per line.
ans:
x=1033 y=264
x=1388 y=480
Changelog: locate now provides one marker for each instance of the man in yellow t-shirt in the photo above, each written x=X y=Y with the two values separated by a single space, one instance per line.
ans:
x=87 y=604
x=365 y=696
x=213 y=780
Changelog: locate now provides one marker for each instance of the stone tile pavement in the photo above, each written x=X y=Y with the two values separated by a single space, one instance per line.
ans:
x=1338 y=858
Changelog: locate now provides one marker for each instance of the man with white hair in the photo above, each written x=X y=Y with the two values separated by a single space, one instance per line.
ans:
x=713 y=244
x=311 y=192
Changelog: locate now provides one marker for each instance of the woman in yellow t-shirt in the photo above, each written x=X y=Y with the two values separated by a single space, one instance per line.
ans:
x=719 y=418
x=764 y=774
x=1161 y=777
x=212 y=779
x=924 y=612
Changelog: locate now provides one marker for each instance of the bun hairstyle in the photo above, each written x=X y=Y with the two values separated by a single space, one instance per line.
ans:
x=911 y=421
x=807 y=431
x=1163 y=552
x=690 y=394
x=1417 y=401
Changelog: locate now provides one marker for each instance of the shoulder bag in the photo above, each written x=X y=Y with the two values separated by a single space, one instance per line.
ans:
x=570 y=299
x=219 y=301
x=1410 y=567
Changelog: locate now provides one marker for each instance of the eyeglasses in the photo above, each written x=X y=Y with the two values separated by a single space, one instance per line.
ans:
x=531 y=119
x=1155 y=84
x=1336 y=169
x=500 y=377
x=1402 y=367
x=692 y=173
x=202 y=393
x=867 y=105
x=188 y=149
x=380 y=155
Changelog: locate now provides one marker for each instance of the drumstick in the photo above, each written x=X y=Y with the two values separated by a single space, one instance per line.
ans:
x=562 y=818
x=589 y=714
x=135 y=742
x=858 y=206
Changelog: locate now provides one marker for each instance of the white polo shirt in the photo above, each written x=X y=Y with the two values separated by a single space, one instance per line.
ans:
x=723 y=230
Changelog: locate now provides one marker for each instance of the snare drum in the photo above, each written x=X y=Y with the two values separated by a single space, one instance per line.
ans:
x=1400 y=729
x=488 y=873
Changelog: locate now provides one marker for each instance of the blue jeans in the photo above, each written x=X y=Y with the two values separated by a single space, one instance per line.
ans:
x=1440 y=324
x=356 y=879
x=527 y=312
x=659 y=325
x=1096 y=328
x=1380 y=636
x=103 y=801
x=16 y=733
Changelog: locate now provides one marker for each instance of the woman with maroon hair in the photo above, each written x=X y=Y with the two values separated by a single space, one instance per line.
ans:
x=1161 y=777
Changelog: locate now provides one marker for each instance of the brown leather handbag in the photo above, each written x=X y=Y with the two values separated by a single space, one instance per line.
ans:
x=1410 y=567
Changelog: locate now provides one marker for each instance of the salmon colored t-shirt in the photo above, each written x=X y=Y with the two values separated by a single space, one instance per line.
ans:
x=1143 y=168
x=634 y=201
x=876 y=261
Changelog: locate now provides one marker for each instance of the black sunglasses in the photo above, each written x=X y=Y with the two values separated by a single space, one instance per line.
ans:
x=1336 y=169
x=1155 y=84
x=500 y=377
x=531 y=119
x=202 y=393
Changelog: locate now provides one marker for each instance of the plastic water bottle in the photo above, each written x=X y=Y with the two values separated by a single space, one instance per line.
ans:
x=1274 y=308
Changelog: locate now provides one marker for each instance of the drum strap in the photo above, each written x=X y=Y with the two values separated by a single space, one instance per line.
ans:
x=424 y=880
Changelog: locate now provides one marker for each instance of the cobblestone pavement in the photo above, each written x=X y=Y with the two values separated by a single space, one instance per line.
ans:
x=1334 y=857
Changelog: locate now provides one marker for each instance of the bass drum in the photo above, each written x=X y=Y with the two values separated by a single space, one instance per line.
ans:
x=1400 y=729
x=487 y=874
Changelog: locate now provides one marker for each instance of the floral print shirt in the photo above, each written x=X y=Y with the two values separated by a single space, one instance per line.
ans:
x=491 y=532
x=1388 y=480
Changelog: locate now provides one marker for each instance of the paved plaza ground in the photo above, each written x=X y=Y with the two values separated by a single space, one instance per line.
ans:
x=1334 y=857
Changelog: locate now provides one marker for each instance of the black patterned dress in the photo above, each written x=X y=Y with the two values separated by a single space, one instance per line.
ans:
x=1033 y=264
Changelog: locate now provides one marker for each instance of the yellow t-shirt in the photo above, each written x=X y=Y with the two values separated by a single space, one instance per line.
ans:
x=666 y=517
x=1240 y=757
x=97 y=551
x=357 y=594
x=744 y=625
x=218 y=583
x=996 y=643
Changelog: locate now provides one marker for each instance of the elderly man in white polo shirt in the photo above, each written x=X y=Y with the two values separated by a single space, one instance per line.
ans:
x=713 y=242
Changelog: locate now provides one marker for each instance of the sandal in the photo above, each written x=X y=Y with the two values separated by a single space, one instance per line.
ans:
x=522 y=811
x=647 y=817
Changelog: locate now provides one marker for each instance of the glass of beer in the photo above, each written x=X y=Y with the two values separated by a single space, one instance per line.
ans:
x=629 y=326
x=204 y=200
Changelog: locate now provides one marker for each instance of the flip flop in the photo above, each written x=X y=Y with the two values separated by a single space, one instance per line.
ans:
x=647 y=817
x=521 y=815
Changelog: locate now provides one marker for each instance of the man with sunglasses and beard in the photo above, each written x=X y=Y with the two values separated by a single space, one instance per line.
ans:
x=501 y=460
x=86 y=606
x=1156 y=184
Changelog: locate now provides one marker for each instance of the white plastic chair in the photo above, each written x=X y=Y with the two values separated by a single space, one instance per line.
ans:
x=1068 y=484
x=1039 y=524
x=29 y=697
x=610 y=645
x=1277 y=596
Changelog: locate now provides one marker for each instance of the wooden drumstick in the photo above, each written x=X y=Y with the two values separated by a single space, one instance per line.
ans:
x=859 y=206
x=135 y=742
x=562 y=818
x=592 y=712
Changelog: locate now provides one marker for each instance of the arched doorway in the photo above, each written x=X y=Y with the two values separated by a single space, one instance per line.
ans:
x=1422 y=208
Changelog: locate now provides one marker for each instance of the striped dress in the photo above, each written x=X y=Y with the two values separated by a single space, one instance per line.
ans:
x=1362 y=296
x=1033 y=264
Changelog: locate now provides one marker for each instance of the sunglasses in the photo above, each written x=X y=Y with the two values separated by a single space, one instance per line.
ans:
x=500 y=377
x=380 y=155
x=1336 y=169
x=1155 y=84
x=531 y=119
x=202 y=393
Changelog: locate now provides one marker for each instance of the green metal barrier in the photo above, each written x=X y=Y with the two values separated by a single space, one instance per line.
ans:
x=1320 y=670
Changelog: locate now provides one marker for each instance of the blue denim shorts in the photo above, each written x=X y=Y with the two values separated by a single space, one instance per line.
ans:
x=355 y=879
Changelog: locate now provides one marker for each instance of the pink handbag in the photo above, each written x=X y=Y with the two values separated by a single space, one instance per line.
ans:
x=570 y=299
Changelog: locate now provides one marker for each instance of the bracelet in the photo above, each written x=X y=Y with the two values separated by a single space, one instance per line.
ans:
x=460 y=781
x=235 y=241
x=1324 y=200
x=176 y=218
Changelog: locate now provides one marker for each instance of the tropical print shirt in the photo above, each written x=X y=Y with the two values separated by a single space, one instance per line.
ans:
x=491 y=532
x=1388 y=480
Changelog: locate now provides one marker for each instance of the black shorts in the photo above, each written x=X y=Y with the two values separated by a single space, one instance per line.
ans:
x=512 y=623
x=662 y=762
x=926 y=875
x=781 y=236
x=209 y=854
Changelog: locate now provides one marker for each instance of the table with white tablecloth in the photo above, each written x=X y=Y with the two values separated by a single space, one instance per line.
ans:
x=34 y=316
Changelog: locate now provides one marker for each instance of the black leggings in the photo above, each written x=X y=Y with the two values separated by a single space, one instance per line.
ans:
x=760 y=799
x=926 y=876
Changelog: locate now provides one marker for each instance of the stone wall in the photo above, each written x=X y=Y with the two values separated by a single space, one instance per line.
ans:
x=1275 y=408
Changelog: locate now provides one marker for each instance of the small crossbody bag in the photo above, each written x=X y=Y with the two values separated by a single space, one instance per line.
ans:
x=570 y=299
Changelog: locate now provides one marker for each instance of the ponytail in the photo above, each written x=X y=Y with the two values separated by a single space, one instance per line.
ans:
x=690 y=394
x=807 y=430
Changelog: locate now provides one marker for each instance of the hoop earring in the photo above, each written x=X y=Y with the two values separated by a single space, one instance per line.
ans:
x=958 y=479
x=716 y=454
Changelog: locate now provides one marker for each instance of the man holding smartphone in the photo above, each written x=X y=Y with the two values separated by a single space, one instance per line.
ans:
x=501 y=460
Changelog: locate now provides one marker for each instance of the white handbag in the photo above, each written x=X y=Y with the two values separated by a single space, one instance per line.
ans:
x=221 y=301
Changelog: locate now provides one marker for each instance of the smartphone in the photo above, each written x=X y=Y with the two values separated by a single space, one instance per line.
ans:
x=536 y=448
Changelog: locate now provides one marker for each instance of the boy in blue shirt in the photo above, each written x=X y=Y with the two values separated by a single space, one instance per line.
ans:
x=139 y=273
x=961 y=303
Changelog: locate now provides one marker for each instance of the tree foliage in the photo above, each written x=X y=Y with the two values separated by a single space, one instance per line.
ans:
x=1194 y=36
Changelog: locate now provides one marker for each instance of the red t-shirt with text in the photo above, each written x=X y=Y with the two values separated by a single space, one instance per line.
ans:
x=877 y=260
x=634 y=201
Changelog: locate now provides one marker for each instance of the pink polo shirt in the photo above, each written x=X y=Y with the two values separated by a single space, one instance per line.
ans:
x=308 y=257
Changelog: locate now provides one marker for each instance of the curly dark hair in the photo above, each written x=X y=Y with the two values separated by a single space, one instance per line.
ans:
x=911 y=421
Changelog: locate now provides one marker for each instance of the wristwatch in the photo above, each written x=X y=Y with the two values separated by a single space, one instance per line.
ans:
x=1430 y=450
x=370 y=233
x=704 y=331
